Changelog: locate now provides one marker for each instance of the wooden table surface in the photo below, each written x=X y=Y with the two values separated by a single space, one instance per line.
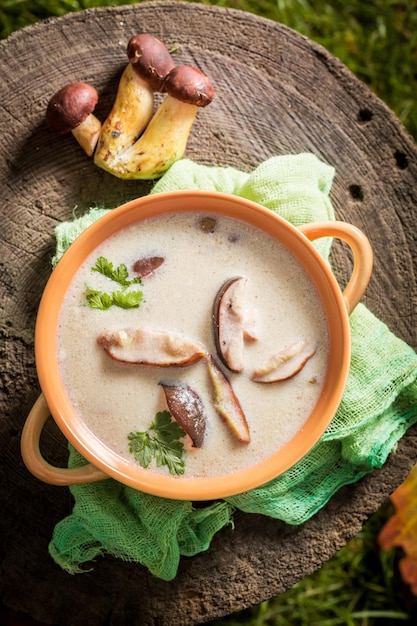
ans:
x=276 y=93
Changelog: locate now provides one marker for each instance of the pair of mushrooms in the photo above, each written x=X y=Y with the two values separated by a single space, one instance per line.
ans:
x=134 y=142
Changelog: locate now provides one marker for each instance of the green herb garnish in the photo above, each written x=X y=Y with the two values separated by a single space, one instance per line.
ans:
x=103 y=301
x=119 y=275
x=160 y=442
x=128 y=300
x=121 y=298
x=98 y=299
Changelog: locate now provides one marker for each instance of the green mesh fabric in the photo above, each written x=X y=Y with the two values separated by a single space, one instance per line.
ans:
x=134 y=526
x=379 y=404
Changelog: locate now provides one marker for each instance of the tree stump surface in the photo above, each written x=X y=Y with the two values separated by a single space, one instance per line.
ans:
x=276 y=92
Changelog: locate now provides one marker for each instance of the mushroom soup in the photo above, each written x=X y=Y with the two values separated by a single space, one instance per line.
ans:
x=226 y=332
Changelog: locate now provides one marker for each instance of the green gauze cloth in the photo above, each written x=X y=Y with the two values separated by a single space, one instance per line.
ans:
x=379 y=404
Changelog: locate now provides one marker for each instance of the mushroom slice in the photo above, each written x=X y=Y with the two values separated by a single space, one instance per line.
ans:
x=229 y=318
x=285 y=364
x=147 y=265
x=142 y=346
x=250 y=332
x=187 y=409
x=226 y=403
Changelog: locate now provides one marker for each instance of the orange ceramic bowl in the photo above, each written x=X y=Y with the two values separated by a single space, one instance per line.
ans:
x=101 y=461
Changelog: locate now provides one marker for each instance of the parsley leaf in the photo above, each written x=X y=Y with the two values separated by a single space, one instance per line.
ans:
x=129 y=300
x=98 y=300
x=123 y=299
x=119 y=275
x=167 y=429
x=160 y=442
x=103 y=301
x=142 y=447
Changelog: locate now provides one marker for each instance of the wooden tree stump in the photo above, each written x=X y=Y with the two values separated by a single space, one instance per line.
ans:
x=277 y=92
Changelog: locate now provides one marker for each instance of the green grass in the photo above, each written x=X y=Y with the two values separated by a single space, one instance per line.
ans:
x=377 y=40
x=359 y=586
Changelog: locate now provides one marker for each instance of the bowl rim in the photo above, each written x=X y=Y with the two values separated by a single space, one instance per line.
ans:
x=189 y=488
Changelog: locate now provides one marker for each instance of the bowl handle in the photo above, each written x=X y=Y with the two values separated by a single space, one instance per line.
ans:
x=35 y=462
x=362 y=255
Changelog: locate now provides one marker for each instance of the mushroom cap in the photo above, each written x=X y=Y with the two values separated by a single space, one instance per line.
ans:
x=190 y=85
x=150 y=59
x=70 y=106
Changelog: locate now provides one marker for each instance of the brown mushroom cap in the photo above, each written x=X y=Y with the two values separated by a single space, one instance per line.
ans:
x=190 y=85
x=70 y=106
x=150 y=59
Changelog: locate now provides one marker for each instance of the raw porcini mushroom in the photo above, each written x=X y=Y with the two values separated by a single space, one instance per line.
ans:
x=187 y=409
x=150 y=59
x=149 y=62
x=71 y=110
x=130 y=113
x=142 y=346
x=226 y=403
x=165 y=138
x=285 y=364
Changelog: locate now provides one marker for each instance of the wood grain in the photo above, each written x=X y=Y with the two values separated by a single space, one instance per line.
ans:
x=276 y=92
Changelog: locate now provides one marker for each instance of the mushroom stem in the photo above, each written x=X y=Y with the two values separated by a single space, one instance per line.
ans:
x=87 y=133
x=165 y=138
x=162 y=143
x=131 y=111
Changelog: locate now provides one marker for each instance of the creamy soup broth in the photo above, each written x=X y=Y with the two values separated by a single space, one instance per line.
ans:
x=115 y=398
